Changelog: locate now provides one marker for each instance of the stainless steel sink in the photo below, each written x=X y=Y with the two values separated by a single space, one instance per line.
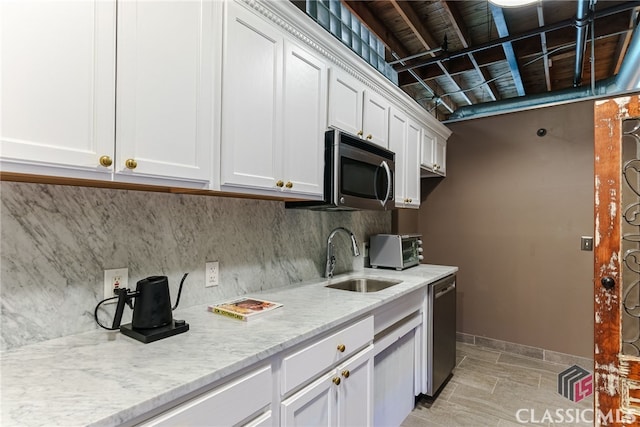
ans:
x=363 y=284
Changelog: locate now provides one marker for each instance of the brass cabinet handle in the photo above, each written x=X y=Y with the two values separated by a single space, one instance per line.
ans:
x=346 y=373
x=280 y=183
x=336 y=380
x=289 y=184
x=341 y=348
x=369 y=136
x=360 y=133
x=131 y=164
x=410 y=200
x=106 y=161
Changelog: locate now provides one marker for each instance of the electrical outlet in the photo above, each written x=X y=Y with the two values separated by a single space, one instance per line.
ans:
x=211 y=273
x=115 y=279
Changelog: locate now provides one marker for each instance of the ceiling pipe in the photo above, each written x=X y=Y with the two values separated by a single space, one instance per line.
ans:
x=628 y=79
x=516 y=37
x=582 y=25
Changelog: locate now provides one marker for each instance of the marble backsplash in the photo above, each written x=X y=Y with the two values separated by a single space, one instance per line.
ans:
x=55 y=242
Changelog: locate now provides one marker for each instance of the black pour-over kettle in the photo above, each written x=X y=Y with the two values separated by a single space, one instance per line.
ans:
x=152 y=311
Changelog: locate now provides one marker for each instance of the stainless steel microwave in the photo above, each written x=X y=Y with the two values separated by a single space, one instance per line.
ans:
x=357 y=175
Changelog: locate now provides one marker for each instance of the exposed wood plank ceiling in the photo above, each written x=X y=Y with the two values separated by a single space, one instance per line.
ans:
x=477 y=52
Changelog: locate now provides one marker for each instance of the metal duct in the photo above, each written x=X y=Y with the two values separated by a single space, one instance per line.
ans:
x=627 y=79
x=582 y=25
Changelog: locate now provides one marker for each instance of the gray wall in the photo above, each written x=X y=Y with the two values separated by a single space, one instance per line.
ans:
x=55 y=242
x=510 y=214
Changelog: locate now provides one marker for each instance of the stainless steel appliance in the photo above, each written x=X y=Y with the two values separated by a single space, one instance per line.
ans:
x=395 y=250
x=357 y=175
x=441 y=333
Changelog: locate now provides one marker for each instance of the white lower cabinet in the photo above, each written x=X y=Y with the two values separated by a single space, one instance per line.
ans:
x=394 y=382
x=341 y=397
x=244 y=401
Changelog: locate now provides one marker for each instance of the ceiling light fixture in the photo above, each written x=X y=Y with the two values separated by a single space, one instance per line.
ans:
x=512 y=3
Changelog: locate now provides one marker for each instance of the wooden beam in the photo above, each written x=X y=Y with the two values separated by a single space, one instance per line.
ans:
x=459 y=27
x=413 y=21
x=377 y=27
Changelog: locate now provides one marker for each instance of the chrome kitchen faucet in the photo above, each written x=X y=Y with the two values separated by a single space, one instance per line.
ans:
x=331 y=259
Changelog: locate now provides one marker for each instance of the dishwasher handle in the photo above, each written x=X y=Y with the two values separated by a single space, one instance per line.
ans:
x=445 y=291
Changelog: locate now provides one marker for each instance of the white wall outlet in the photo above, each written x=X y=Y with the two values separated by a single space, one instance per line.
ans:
x=211 y=274
x=114 y=279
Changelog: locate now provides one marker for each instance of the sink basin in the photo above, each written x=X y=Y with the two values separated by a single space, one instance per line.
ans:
x=363 y=284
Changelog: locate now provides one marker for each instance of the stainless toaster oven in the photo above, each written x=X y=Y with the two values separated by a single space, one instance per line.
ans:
x=395 y=250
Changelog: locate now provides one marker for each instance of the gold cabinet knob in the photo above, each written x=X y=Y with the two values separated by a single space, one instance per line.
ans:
x=336 y=380
x=346 y=373
x=289 y=184
x=106 y=161
x=360 y=133
x=131 y=164
x=410 y=200
x=280 y=183
x=369 y=136
x=341 y=348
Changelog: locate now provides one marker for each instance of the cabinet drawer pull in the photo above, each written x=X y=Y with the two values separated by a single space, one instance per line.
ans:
x=369 y=136
x=346 y=373
x=336 y=380
x=360 y=133
x=280 y=183
x=289 y=184
x=341 y=348
x=106 y=161
x=131 y=164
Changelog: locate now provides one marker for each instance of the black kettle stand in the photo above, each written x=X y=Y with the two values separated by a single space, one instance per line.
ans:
x=154 y=334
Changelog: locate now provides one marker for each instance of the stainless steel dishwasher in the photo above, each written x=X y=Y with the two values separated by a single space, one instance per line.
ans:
x=441 y=332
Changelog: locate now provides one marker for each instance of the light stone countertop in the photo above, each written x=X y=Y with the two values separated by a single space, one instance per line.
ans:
x=103 y=378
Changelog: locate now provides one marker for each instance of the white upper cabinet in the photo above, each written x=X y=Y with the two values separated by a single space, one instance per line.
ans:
x=58 y=86
x=274 y=110
x=404 y=141
x=433 y=154
x=252 y=101
x=357 y=110
x=305 y=120
x=375 y=118
x=165 y=89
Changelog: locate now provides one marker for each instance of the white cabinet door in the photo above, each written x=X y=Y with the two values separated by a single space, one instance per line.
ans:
x=375 y=118
x=404 y=141
x=305 y=120
x=412 y=165
x=58 y=84
x=355 y=391
x=394 y=382
x=440 y=155
x=165 y=89
x=314 y=405
x=252 y=101
x=398 y=127
x=343 y=397
x=345 y=102
x=433 y=153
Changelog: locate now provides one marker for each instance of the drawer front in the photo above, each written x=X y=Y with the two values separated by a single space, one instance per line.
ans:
x=307 y=363
x=226 y=405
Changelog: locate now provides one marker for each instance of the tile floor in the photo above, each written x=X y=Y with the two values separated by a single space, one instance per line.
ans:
x=491 y=388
